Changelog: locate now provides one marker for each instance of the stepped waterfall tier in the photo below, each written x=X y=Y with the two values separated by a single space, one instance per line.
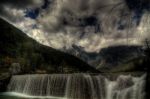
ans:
x=79 y=86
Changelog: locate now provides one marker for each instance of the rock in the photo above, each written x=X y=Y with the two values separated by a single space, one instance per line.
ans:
x=4 y=80
x=15 y=68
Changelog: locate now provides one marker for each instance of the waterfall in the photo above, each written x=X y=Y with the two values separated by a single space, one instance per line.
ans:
x=79 y=86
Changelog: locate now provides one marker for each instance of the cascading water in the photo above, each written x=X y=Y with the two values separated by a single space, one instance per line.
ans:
x=79 y=86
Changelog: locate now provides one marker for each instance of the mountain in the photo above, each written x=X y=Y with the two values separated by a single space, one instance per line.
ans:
x=90 y=58
x=118 y=55
x=108 y=58
x=16 y=48
x=132 y=65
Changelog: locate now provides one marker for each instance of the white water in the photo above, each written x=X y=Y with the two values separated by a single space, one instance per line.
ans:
x=78 y=86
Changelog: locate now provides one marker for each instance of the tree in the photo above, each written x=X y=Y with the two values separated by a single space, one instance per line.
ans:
x=8 y=61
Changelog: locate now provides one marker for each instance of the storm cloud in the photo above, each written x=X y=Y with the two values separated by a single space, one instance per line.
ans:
x=91 y=24
x=21 y=4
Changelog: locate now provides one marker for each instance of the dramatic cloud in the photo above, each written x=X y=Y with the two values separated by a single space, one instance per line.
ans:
x=91 y=24
x=14 y=10
x=21 y=4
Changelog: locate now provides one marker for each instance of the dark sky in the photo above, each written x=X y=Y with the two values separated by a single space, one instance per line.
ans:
x=92 y=24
